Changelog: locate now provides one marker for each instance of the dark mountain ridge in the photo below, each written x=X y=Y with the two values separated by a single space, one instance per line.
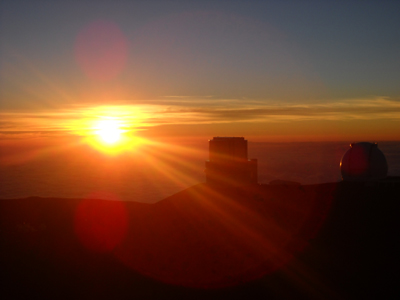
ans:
x=325 y=241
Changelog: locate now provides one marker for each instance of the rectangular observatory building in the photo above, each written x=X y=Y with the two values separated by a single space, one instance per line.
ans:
x=228 y=162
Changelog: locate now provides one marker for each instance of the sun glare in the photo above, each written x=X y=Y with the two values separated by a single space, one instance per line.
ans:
x=109 y=131
x=112 y=135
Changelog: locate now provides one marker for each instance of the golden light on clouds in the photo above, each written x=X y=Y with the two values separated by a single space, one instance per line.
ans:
x=109 y=123
x=110 y=129
x=117 y=127
x=112 y=135
x=113 y=145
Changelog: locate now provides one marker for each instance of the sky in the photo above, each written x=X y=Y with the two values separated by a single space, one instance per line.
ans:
x=266 y=70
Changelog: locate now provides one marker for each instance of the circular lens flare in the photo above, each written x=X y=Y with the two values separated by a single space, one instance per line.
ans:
x=101 y=224
x=101 y=50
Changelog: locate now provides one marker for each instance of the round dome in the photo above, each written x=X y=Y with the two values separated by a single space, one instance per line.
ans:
x=362 y=162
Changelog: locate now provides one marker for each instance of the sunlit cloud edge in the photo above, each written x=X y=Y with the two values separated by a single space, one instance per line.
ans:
x=76 y=119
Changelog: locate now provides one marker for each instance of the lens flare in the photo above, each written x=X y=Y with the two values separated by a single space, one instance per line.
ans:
x=101 y=50
x=101 y=224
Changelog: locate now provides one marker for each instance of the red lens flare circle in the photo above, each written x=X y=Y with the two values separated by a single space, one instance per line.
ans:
x=101 y=224
x=101 y=50
x=203 y=238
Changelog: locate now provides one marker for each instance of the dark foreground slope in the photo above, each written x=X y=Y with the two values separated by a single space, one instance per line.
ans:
x=328 y=241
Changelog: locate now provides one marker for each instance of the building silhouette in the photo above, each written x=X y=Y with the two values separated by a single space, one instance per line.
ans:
x=228 y=162
x=363 y=162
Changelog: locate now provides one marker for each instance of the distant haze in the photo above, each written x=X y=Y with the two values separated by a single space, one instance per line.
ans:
x=150 y=175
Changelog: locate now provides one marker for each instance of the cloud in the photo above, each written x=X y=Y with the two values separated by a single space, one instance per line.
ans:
x=79 y=119
x=379 y=108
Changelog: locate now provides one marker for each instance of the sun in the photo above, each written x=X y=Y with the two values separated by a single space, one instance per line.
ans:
x=109 y=131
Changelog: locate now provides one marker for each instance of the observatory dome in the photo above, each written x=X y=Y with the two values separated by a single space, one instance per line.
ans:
x=363 y=162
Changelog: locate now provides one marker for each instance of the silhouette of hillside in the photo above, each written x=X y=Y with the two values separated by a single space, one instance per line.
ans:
x=327 y=241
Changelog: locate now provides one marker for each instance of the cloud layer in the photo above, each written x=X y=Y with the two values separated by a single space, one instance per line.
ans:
x=78 y=120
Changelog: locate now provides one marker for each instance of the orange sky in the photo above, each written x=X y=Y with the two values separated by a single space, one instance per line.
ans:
x=356 y=120
x=197 y=71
